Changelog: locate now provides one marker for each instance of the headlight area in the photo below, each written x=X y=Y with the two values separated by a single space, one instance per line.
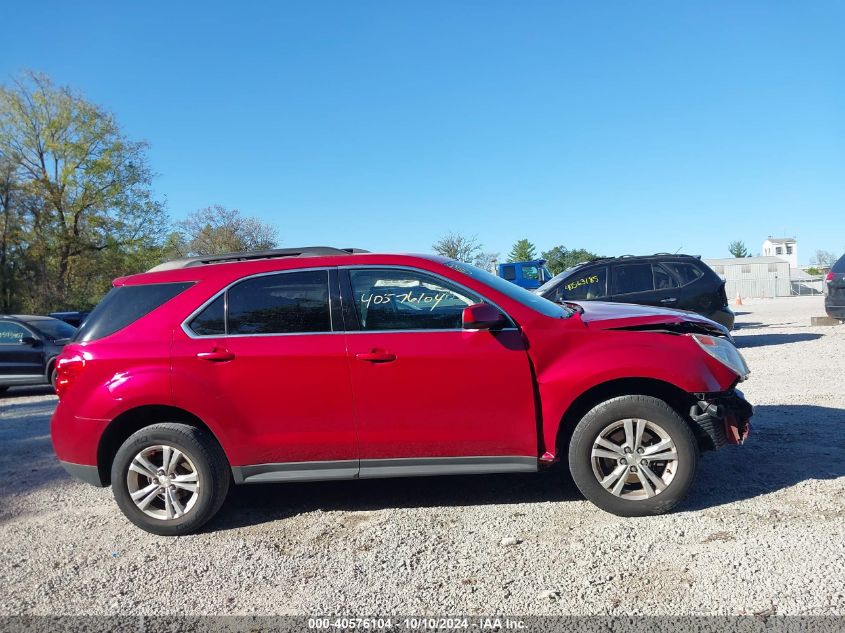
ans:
x=723 y=351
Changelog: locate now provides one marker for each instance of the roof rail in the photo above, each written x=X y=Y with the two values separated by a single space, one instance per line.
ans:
x=273 y=253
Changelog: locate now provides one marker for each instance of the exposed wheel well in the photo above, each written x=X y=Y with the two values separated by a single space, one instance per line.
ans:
x=133 y=420
x=674 y=396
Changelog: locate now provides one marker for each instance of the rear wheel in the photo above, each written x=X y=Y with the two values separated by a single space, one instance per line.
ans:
x=53 y=376
x=170 y=479
x=633 y=456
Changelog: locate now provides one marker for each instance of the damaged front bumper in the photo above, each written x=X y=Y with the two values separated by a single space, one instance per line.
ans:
x=722 y=418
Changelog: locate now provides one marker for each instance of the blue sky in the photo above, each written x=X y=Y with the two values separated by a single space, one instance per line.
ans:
x=621 y=127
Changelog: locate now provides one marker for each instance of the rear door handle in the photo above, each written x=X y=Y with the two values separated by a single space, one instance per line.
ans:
x=216 y=355
x=376 y=356
x=669 y=300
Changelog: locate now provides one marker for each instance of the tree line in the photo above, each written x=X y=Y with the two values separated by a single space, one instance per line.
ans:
x=467 y=248
x=77 y=207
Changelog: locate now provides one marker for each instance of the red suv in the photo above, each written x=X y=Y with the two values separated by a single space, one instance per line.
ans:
x=322 y=363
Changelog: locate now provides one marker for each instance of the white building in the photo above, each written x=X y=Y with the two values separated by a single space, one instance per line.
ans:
x=783 y=247
x=753 y=276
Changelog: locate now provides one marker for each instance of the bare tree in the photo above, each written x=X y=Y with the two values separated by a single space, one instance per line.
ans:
x=456 y=246
x=215 y=230
x=486 y=261
x=825 y=259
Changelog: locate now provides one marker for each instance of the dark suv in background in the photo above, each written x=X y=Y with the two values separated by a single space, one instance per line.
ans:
x=682 y=282
x=28 y=349
x=834 y=290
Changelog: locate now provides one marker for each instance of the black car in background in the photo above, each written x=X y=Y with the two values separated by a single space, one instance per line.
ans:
x=28 y=348
x=74 y=318
x=681 y=282
x=834 y=290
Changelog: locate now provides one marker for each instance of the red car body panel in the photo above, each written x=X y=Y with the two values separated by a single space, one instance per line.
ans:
x=478 y=402
x=302 y=398
x=290 y=396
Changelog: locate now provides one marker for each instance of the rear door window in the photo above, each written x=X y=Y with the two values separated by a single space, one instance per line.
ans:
x=630 y=278
x=663 y=279
x=283 y=303
x=212 y=320
x=124 y=305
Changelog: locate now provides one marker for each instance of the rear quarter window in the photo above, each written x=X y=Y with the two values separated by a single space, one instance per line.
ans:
x=839 y=266
x=123 y=306
x=687 y=273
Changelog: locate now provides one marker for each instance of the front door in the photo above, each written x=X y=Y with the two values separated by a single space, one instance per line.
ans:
x=19 y=362
x=267 y=362
x=430 y=397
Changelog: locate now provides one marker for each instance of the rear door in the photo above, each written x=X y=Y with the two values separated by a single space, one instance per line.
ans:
x=19 y=361
x=431 y=397
x=646 y=284
x=701 y=290
x=266 y=360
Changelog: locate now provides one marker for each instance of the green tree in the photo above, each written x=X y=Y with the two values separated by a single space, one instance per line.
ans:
x=559 y=258
x=737 y=249
x=456 y=246
x=82 y=197
x=215 y=230
x=522 y=251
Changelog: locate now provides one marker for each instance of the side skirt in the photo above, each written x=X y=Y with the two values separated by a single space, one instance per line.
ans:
x=383 y=468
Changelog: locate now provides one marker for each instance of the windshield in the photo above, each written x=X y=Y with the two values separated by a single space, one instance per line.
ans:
x=517 y=293
x=53 y=328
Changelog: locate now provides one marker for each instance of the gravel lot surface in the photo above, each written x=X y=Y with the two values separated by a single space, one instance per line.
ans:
x=763 y=530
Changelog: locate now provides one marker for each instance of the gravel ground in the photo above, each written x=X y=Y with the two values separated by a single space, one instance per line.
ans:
x=761 y=532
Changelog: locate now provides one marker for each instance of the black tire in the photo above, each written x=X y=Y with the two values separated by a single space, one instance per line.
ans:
x=53 y=376
x=608 y=415
x=213 y=476
x=3 y=390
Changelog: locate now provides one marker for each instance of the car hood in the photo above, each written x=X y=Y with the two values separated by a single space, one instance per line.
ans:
x=629 y=316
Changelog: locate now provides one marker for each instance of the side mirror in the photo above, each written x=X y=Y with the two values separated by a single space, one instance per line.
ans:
x=30 y=340
x=482 y=316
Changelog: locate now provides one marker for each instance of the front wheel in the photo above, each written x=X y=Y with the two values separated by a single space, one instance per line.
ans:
x=169 y=479
x=633 y=456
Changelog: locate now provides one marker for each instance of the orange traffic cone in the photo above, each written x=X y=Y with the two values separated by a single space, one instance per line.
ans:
x=738 y=300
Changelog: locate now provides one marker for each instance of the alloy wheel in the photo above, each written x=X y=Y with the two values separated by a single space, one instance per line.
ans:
x=163 y=482
x=634 y=459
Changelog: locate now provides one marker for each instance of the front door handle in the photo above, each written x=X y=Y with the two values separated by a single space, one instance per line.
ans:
x=376 y=356
x=669 y=300
x=217 y=355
